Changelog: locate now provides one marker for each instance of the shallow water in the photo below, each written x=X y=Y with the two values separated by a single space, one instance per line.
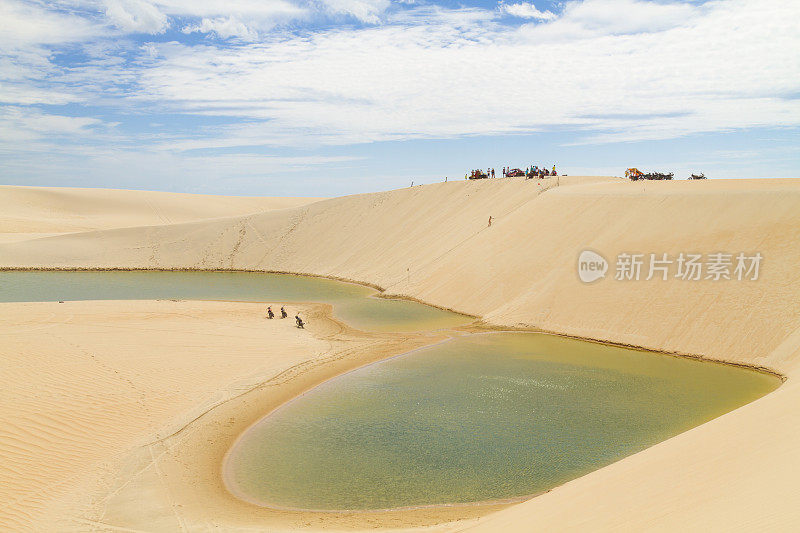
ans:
x=353 y=303
x=481 y=417
x=478 y=418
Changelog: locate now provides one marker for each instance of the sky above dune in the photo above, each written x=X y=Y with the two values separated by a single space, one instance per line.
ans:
x=328 y=97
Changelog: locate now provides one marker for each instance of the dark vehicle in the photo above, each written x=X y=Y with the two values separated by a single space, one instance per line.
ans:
x=700 y=176
x=658 y=176
x=515 y=173
x=478 y=175
x=635 y=175
x=539 y=173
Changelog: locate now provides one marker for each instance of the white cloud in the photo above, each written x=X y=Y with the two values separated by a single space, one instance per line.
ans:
x=242 y=19
x=423 y=72
x=244 y=9
x=634 y=16
x=526 y=11
x=136 y=16
x=21 y=125
x=437 y=79
x=25 y=24
x=364 y=10
x=28 y=94
x=224 y=28
x=472 y=19
x=28 y=32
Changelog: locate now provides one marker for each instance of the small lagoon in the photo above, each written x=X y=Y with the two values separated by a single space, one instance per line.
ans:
x=355 y=304
x=478 y=418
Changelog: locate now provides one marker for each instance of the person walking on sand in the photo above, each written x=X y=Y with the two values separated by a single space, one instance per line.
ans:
x=492 y=171
x=284 y=314
x=490 y=222
x=299 y=321
x=270 y=314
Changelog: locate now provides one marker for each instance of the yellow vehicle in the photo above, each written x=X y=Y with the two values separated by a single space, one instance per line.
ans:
x=634 y=174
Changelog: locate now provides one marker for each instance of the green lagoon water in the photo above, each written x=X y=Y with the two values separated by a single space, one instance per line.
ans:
x=478 y=418
x=355 y=304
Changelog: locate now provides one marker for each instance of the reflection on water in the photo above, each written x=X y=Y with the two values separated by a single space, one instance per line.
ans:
x=352 y=303
x=481 y=417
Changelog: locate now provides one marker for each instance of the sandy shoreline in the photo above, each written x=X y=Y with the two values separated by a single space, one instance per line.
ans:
x=188 y=452
x=479 y=324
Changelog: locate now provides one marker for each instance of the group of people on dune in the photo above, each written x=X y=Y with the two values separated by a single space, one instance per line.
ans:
x=284 y=314
x=532 y=171
x=477 y=174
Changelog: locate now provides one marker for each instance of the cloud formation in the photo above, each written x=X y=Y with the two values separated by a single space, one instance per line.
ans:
x=224 y=28
x=635 y=16
x=441 y=80
x=136 y=16
x=308 y=73
x=368 y=11
x=27 y=24
x=526 y=11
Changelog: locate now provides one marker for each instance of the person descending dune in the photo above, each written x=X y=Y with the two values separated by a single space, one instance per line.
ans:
x=270 y=314
x=284 y=314
x=300 y=323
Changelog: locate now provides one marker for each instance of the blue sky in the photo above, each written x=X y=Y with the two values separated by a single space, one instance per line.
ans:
x=329 y=97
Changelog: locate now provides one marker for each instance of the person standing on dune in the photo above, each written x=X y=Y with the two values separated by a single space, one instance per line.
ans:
x=270 y=314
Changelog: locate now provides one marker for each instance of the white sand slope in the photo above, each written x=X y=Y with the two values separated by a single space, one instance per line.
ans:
x=102 y=407
x=433 y=243
x=79 y=389
x=43 y=211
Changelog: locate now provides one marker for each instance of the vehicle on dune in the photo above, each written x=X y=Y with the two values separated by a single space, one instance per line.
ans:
x=658 y=176
x=700 y=176
x=478 y=175
x=634 y=174
x=515 y=173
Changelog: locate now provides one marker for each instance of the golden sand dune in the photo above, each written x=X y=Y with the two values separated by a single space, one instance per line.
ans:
x=43 y=211
x=79 y=389
x=107 y=423
x=434 y=243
